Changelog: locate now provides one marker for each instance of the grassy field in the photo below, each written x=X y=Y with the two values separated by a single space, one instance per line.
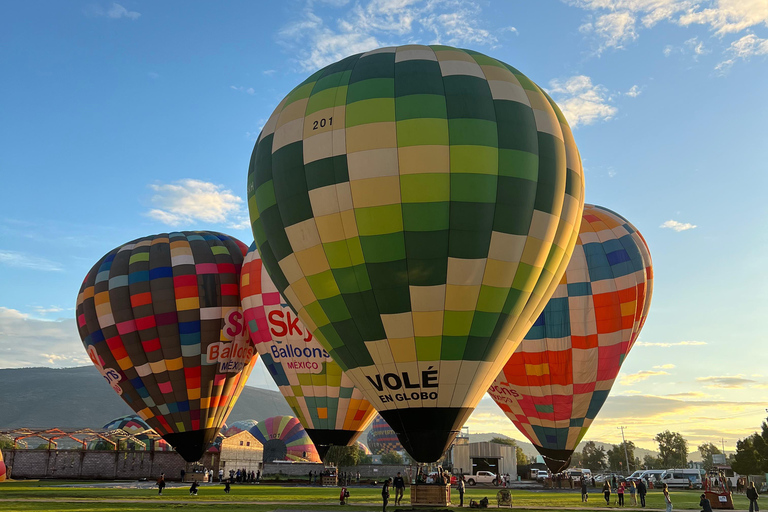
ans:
x=74 y=496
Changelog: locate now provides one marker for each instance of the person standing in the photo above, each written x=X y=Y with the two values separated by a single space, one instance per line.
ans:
x=752 y=496
x=221 y=474
x=399 y=485
x=161 y=483
x=584 y=491
x=460 y=487
x=607 y=492
x=641 y=491
x=620 y=493
x=385 y=493
x=667 y=499
x=613 y=482
x=632 y=490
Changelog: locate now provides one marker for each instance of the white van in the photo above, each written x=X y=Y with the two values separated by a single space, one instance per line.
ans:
x=682 y=478
x=652 y=475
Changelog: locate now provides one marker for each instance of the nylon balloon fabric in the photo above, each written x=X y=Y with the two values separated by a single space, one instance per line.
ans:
x=416 y=206
x=321 y=396
x=160 y=318
x=555 y=383
x=284 y=438
x=382 y=439
x=3 y=469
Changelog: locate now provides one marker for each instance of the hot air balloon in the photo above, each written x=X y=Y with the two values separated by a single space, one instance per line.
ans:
x=131 y=423
x=240 y=426
x=363 y=448
x=414 y=204
x=382 y=439
x=322 y=397
x=3 y=469
x=160 y=318
x=557 y=380
x=284 y=438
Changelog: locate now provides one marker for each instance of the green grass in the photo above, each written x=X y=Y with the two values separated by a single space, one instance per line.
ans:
x=264 y=498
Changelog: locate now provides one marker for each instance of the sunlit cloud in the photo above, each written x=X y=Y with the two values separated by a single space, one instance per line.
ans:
x=581 y=101
x=634 y=378
x=743 y=49
x=678 y=226
x=676 y=344
x=22 y=260
x=240 y=88
x=190 y=201
x=727 y=382
x=633 y=91
x=664 y=367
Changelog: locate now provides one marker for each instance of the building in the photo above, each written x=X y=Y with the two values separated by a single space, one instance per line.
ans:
x=469 y=458
x=241 y=451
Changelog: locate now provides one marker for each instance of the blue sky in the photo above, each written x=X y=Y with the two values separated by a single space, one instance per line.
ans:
x=126 y=119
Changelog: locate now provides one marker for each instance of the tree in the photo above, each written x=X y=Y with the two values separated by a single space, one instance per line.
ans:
x=651 y=462
x=392 y=458
x=616 y=457
x=343 y=455
x=747 y=460
x=707 y=450
x=673 y=449
x=576 y=459
x=592 y=456
x=362 y=457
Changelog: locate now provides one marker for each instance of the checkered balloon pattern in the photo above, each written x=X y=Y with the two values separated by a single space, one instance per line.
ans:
x=131 y=423
x=559 y=377
x=382 y=439
x=160 y=318
x=321 y=396
x=416 y=205
x=284 y=435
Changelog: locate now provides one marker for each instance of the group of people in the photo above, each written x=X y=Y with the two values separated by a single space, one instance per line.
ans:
x=241 y=476
x=635 y=489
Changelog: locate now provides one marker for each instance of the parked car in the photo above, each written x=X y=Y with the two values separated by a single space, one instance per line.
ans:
x=542 y=475
x=482 y=477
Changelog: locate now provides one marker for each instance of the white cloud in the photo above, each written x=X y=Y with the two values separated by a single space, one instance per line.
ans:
x=40 y=310
x=375 y=23
x=616 y=22
x=634 y=378
x=634 y=91
x=696 y=46
x=21 y=260
x=677 y=344
x=748 y=46
x=26 y=341
x=664 y=367
x=187 y=201
x=247 y=90
x=678 y=226
x=581 y=101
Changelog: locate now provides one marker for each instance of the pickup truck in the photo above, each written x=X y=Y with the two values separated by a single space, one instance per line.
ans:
x=482 y=477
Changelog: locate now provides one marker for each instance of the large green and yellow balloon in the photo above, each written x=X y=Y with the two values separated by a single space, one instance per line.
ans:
x=417 y=206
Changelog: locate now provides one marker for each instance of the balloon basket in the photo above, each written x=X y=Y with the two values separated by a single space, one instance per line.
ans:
x=431 y=494
x=721 y=500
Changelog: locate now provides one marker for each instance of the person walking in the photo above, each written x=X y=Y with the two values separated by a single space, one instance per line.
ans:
x=584 y=491
x=385 y=493
x=460 y=488
x=607 y=492
x=667 y=499
x=399 y=485
x=193 y=488
x=161 y=483
x=642 y=490
x=620 y=493
x=752 y=496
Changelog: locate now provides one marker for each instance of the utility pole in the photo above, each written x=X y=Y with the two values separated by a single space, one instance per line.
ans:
x=722 y=441
x=624 y=442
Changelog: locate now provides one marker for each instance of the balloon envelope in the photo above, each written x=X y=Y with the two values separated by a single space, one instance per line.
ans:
x=160 y=318
x=557 y=380
x=413 y=205
x=322 y=397
x=240 y=426
x=284 y=438
x=3 y=469
x=382 y=439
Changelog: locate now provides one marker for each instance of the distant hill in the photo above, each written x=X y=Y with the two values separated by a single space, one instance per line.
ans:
x=79 y=398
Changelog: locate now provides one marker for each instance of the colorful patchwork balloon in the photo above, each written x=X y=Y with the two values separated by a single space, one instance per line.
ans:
x=382 y=439
x=132 y=423
x=416 y=206
x=557 y=380
x=322 y=397
x=284 y=438
x=3 y=469
x=240 y=426
x=160 y=318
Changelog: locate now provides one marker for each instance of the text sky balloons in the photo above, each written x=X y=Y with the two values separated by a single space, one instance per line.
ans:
x=322 y=397
x=413 y=205
x=559 y=377
x=160 y=318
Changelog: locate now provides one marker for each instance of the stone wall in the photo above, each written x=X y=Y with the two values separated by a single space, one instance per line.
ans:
x=99 y=465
